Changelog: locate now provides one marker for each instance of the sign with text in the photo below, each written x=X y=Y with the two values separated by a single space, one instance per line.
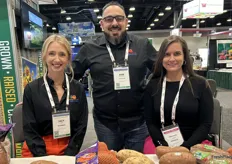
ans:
x=7 y=69
x=202 y=8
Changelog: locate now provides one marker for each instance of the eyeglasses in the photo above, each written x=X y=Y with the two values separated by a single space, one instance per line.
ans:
x=110 y=19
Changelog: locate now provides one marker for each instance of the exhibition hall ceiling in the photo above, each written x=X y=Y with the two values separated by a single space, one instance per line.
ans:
x=147 y=14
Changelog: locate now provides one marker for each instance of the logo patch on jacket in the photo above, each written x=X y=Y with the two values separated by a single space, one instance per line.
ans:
x=73 y=98
x=131 y=52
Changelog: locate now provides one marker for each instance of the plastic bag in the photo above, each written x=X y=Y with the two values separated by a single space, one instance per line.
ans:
x=88 y=156
x=4 y=130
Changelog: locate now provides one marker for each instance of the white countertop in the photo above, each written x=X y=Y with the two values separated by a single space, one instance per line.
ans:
x=60 y=159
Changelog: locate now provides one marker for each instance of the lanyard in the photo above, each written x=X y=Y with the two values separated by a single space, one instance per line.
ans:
x=112 y=56
x=50 y=95
x=174 y=103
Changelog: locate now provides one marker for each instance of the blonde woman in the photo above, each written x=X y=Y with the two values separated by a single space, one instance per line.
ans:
x=55 y=109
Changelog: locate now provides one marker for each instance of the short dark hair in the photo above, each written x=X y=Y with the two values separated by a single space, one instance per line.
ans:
x=113 y=3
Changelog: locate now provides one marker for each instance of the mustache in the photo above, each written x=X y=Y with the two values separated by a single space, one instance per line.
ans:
x=115 y=27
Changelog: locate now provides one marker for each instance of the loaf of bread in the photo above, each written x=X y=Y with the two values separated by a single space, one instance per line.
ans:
x=209 y=148
x=122 y=155
x=43 y=162
x=204 y=157
x=177 y=158
x=161 y=150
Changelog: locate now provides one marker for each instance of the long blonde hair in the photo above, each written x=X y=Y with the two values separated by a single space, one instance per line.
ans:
x=61 y=40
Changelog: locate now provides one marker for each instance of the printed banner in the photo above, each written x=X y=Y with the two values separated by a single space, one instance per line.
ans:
x=29 y=71
x=74 y=29
x=224 y=51
x=7 y=69
x=40 y=64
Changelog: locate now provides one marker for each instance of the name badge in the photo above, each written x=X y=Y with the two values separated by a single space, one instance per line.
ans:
x=172 y=135
x=121 y=78
x=61 y=125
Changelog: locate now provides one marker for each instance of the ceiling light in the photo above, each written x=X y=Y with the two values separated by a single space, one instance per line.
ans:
x=229 y=20
x=47 y=25
x=202 y=21
x=128 y=25
x=194 y=25
x=168 y=8
x=68 y=18
x=90 y=0
x=219 y=24
x=130 y=16
x=62 y=11
x=127 y=28
x=96 y=10
x=161 y=14
x=149 y=28
x=156 y=20
x=212 y=16
x=129 y=21
x=132 y=9
x=171 y=26
x=152 y=24
x=53 y=28
x=184 y=18
x=99 y=17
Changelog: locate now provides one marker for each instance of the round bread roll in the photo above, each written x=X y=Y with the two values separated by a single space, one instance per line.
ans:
x=177 y=158
x=137 y=160
x=43 y=162
x=161 y=150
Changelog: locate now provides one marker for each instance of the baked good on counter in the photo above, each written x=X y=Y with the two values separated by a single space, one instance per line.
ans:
x=43 y=162
x=177 y=158
x=161 y=150
x=208 y=148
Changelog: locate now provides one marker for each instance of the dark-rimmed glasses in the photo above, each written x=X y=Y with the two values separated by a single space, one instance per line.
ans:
x=110 y=19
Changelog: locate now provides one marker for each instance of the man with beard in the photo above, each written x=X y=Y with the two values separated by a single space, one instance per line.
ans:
x=118 y=63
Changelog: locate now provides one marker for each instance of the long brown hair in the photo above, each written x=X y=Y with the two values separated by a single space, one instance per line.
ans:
x=159 y=70
x=187 y=67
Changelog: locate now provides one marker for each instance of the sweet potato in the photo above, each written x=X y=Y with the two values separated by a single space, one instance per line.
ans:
x=177 y=158
x=161 y=150
x=122 y=155
x=107 y=157
x=102 y=146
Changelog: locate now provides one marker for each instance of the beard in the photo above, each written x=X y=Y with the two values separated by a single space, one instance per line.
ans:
x=115 y=40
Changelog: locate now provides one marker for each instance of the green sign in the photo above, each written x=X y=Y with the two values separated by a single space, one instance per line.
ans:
x=7 y=69
x=40 y=64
